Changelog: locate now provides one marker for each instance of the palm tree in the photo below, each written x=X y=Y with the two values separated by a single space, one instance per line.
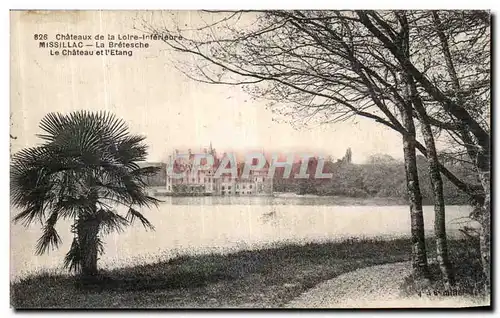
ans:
x=83 y=171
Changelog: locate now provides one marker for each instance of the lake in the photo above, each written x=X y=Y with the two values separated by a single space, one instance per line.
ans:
x=191 y=225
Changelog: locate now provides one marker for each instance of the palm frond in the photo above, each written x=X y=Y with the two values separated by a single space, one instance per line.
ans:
x=131 y=149
x=31 y=183
x=103 y=124
x=145 y=171
x=29 y=214
x=110 y=221
x=52 y=124
x=50 y=237
x=133 y=214
x=73 y=258
x=71 y=207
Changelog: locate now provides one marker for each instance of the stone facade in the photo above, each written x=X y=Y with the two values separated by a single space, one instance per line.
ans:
x=198 y=181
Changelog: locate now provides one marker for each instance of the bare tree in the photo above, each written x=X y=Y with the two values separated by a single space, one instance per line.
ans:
x=432 y=158
x=329 y=66
x=475 y=97
x=468 y=118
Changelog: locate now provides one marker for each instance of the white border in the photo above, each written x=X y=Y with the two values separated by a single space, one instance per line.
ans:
x=255 y=4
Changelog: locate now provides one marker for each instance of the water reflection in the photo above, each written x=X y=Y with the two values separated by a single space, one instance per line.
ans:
x=279 y=199
x=269 y=217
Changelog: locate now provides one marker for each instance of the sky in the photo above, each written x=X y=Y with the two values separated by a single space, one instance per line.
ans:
x=156 y=100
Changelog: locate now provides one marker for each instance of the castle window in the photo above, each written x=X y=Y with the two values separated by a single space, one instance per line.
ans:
x=222 y=187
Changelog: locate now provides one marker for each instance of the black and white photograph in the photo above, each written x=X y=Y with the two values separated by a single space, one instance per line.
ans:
x=250 y=159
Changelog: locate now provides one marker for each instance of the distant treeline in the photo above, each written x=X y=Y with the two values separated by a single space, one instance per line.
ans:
x=160 y=179
x=380 y=176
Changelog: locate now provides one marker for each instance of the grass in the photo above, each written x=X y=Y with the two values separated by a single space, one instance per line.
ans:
x=265 y=278
x=466 y=264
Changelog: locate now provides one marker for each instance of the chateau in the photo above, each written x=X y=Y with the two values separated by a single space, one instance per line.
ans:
x=199 y=178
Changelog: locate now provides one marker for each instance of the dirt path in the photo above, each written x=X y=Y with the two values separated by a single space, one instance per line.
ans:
x=373 y=287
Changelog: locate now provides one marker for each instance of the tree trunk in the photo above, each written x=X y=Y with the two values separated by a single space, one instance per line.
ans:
x=480 y=155
x=439 y=209
x=485 y=243
x=483 y=164
x=419 y=255
x=88 y=237
x=437 y=189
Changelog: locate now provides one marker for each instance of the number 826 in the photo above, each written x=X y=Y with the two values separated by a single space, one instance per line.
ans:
x=40 y=36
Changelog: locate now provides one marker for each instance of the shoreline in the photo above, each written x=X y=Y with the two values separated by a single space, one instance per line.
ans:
x=263 y=278
x=294 y=198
